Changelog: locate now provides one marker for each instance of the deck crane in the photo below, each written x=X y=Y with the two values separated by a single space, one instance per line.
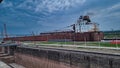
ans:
x=95 y=27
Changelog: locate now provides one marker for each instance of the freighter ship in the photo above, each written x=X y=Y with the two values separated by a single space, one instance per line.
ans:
x=82 y=30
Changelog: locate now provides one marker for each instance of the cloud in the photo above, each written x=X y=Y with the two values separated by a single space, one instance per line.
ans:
x=56 y=5
x=104 y=12
x=105 y=16
x=43 y=15
x=6 y=4
x=114 y=7
x=50 y=5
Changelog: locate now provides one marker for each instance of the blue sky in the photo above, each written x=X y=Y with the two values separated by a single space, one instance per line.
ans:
x=25 y=16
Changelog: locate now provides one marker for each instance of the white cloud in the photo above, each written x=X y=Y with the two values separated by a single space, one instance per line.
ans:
x=50 y=5
x=108 y=16
x=105 y=12
x=54 y=5
x=114 y=7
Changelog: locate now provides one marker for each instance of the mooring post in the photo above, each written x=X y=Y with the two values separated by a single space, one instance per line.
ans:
x=8 y=50
x=3 y=49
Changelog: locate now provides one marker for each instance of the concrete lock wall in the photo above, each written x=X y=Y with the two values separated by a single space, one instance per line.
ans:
x=53 y=58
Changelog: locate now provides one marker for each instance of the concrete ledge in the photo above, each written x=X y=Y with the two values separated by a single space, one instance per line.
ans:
x=81 y=59
x=14 y=65
x=3 y=65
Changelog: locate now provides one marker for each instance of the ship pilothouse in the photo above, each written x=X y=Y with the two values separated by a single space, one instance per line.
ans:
x=84 y=24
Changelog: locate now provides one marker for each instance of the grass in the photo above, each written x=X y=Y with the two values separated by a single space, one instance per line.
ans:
x=107 y=44
x=102 y=44
x=67 y=43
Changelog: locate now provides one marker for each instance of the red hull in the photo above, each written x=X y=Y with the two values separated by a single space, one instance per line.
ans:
x=57 y=36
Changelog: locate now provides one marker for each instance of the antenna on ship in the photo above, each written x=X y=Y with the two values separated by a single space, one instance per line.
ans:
x=1 y=34
x=5 y=31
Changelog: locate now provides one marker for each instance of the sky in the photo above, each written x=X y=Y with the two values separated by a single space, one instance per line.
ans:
x=26 y=16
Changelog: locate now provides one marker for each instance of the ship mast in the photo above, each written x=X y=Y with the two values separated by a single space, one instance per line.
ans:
x=5 y=31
